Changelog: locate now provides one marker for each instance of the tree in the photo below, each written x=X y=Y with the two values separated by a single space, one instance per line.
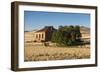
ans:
x=57 y=37
x=67 y=35
x=54 y=37
x=78 y=34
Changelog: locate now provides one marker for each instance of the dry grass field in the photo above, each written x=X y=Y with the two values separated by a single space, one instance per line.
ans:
x=34 y=52
x=43 y=53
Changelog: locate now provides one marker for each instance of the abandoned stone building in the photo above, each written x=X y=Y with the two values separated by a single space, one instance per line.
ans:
x=44 y=34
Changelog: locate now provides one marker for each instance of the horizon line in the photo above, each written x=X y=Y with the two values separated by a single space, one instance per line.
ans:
x=56 y=28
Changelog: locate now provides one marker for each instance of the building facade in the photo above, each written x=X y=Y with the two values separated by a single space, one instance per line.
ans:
x=44 y=34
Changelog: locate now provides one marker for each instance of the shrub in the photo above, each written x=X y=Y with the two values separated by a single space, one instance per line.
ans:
x=67 y=36
x=46 y=44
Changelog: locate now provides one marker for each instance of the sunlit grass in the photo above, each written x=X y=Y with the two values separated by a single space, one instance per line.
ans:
x=43 y=53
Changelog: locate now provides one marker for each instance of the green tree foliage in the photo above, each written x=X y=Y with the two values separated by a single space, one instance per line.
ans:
x=67 y=35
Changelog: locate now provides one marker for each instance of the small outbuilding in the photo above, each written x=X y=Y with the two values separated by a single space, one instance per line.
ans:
x=44 y=34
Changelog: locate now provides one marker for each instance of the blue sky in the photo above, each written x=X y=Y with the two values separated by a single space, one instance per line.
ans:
x=37 y=19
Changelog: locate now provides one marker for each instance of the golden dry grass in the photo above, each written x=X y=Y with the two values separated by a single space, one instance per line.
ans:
x=43 y=53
